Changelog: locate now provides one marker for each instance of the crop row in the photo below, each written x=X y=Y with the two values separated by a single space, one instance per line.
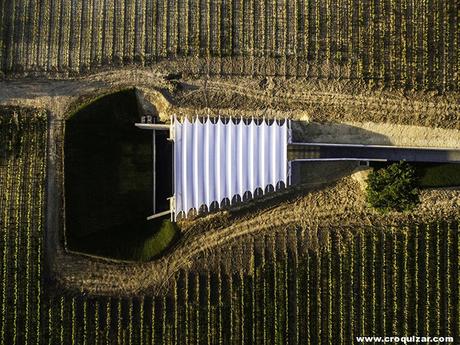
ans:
x=374 y=282
x=22 y=176
x=400 y=43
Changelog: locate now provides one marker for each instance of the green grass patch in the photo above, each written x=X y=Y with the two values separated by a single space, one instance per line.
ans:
x=439 y=175
x=393 y=188
x=431 y=175
x=142 y=241
x=156 y=244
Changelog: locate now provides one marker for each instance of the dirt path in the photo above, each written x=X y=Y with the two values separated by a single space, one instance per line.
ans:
x=299 y=99
x=343 y=111
x=321 y=101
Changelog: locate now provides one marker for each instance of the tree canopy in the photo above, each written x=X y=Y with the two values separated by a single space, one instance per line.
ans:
x=393 y=188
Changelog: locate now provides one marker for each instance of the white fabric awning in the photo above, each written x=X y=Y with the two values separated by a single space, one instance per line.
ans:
x=217 y=160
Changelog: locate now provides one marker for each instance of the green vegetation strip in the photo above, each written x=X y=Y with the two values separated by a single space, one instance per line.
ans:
x=156 y=244
x=443 y=175
x=148 y=243
x=395 y=186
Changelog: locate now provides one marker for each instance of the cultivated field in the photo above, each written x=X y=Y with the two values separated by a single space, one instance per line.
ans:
x=312 y=266
x=22 y=204
x=363 y=280
x=396 y=43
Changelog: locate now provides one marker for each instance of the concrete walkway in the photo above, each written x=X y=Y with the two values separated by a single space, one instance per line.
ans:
x=307 y=151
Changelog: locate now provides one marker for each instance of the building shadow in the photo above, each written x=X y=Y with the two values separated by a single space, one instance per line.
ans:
x=338 y=133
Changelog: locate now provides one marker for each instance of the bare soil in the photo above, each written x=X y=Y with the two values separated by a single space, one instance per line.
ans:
x=318 y=101
x=378 y=134
x=299 y=99
x=323 y=110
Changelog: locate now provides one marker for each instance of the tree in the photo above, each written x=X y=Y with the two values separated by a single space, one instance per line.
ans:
x=393 y=188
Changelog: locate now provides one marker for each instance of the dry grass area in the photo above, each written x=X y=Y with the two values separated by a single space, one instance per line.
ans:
x=345 y=102
x=318 y=101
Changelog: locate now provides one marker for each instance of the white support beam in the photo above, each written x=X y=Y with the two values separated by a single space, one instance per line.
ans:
x=153 y=126
x=157 y=215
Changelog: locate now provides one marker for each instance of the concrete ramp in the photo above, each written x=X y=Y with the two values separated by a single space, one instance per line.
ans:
x=307 y=151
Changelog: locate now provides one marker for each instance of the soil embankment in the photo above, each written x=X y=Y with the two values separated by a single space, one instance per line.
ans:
x=311 y=211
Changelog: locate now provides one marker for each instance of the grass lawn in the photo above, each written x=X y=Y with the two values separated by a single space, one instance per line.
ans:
x=143 y=241
x=431 y=175
x=156 y=244
x=439 y=175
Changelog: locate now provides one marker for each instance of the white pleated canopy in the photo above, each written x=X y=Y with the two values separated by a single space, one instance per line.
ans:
x=214 y=160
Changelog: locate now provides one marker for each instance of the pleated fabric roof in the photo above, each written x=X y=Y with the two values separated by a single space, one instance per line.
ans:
x=217 y=159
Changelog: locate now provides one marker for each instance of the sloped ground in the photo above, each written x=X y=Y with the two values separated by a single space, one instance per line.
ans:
x=380 y=134
x=339 y=206
x=346 y=102
x=319 y=101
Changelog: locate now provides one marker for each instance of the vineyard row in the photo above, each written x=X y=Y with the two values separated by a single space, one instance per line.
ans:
x=400 y=43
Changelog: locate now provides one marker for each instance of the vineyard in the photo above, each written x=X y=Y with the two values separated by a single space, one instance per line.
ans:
x=376 y=282
x=396 y=43
x=273 y=286
x=22 y=191
x=369 y=281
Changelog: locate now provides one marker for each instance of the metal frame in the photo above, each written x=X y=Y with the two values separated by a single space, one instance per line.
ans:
x=378 y=146
x=156 y=127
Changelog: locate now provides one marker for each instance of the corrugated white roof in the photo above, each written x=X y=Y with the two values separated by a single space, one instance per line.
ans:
x=217 y=160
